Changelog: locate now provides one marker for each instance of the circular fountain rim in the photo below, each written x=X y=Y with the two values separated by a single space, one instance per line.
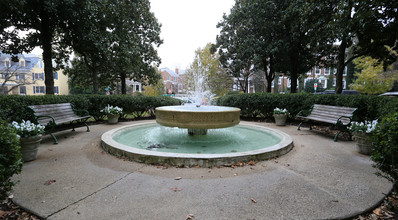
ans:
x=146 y=156
x=196 y=109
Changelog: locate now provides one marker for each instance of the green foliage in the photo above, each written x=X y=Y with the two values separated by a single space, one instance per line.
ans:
x=385 y=147
x=14 y=107
x=371 y=78
x=10 y=158
x=154 y=89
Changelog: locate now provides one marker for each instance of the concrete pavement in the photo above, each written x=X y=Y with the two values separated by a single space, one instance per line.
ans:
x=318 y=179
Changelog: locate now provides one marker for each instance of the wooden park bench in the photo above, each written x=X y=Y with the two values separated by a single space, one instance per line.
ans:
x=339 y=116
x=51 y=115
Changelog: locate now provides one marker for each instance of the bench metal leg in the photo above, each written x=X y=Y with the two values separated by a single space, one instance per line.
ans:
x=337 y=135
x=88 y=129
x=55 y=139
x=298 y=127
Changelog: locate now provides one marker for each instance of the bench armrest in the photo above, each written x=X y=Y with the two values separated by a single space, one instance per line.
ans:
x=51 y=124
x=339 y=120
x=81 y=112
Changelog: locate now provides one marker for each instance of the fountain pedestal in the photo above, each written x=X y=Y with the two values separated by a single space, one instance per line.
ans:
x=193 y=131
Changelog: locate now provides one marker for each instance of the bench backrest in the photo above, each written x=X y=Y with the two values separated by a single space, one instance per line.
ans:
x=332 y=113
x=61 y=112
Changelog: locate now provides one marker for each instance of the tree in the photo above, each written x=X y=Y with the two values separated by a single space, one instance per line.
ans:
x=305 y=37
x=44 y=22
x=156 y=89
x=217 y=80
x=372 y=79
x=90 y=23
x=135 y=34
x=274 y=36
x=363 y=27
x=83 y=75
x=235 y=45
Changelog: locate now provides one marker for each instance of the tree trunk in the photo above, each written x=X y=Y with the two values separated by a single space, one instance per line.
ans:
x=340 y=65
x=46 y=40
x=293 y=72
x=123 y=82
x=94 y=76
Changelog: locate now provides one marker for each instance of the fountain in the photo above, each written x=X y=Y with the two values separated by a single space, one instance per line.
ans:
x=197 y=119
x=215 y=136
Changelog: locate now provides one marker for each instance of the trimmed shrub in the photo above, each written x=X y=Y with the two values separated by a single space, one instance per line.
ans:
x=262 y=104
x=385 y=148
x=14 y=107
x=10 y=158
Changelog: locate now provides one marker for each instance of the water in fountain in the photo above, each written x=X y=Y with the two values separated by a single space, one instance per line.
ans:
x=201 y=93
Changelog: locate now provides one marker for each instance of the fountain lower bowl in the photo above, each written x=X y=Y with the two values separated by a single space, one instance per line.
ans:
x=109 y=144
x=201 y=117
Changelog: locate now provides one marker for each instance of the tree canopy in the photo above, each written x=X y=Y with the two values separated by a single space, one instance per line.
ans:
x=114 y=39
x=372 y=79
x=292 y=36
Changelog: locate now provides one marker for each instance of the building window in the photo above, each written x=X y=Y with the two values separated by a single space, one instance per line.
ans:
x=327 y=71
x=38 y=90
x=22 y=63
x=4 y=75
x=56 y=90
x=334 y=82
x=7 y=63
x=344 y=84
x=38 y=76
x=168 y=77
x=279 y=81
x=20 y=76
x=309 y=72
x=317 y=70
x=22 y=90
x=345 y=71
x=55 y=75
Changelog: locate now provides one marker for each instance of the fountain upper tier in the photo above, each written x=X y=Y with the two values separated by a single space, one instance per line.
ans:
x=197 y=117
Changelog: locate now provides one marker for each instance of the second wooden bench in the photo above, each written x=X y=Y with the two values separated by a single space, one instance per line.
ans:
x=339 y=116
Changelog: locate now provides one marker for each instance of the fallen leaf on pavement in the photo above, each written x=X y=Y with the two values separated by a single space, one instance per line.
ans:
x=190 y=216
x=176 y=189
x=178 y=178
x=378 y=212
x=253 y=200
x=49 y=182
x=252 y=163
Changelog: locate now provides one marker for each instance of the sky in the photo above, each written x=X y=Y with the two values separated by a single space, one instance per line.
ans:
x=186 y=26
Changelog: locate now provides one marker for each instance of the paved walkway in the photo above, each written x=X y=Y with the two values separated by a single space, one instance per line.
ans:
x=318 y=179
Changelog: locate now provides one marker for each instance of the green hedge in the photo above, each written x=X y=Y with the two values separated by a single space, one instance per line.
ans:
x=10 y=158
x=14 y=107
x=261 y=105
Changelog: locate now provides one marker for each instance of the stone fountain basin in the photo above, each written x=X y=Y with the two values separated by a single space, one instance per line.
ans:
x=206 y=160
x=193 y=117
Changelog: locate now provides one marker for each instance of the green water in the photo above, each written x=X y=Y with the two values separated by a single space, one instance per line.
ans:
x=217 y=141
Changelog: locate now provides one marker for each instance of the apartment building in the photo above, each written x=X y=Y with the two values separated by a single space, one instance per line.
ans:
x=26 y=76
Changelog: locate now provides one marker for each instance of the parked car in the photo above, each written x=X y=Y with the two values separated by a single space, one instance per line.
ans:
x=392 y=94
x=344 y=92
